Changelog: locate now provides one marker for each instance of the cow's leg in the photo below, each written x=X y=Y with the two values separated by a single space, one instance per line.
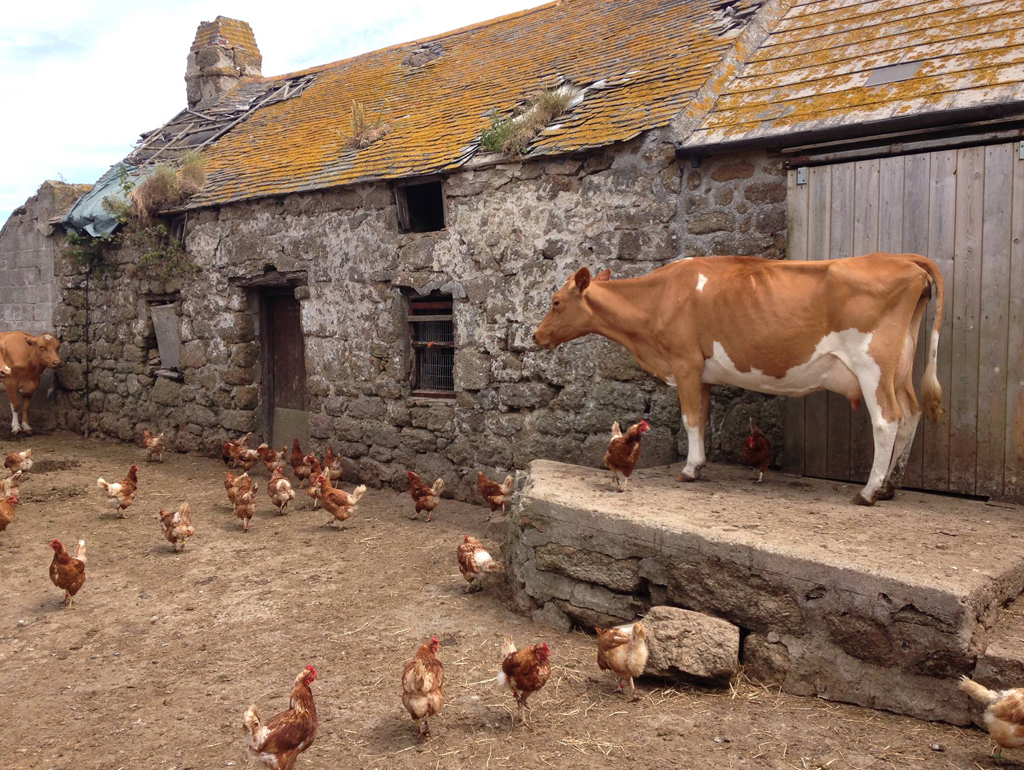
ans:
x=904 y=439
x=884 y=409
x=26 y=400
x=690 y=402
x=12 y=395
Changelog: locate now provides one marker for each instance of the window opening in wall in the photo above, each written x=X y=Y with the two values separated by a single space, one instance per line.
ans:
x=420 y=206
x=432 y=340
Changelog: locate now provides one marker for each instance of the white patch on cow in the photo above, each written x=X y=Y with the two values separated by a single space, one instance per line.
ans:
x=840 y=362
x=701 y=280
x=47 y=337
x=670 y=380
x=695 y=458
x=885 y=438
x=935 y=345
x=15 y=425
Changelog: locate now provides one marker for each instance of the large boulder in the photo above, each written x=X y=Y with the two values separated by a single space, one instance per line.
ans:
x=689 y=645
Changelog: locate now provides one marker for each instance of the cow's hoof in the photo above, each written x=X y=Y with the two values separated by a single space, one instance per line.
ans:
x=689 y=475
x=859 y=499
x=28 y=431
x=15 y=431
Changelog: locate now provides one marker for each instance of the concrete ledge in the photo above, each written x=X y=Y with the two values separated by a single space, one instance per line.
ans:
x=884 y=607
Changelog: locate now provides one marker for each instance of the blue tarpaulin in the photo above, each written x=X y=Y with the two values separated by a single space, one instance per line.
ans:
x=89 y=215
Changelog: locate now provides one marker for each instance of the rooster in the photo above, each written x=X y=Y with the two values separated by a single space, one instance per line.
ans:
x=177 y=526
x=280 y=491
x=271 y=458
x=496 y=495
x=337 y=502
x=422 y=686
x=524 y=672
x=277 y=744
x=121 y=494
x=9 y=486
x=624 y=451
x=475 y=562
x=154 y=445
x=332 y=465
x=757 y=451
x=229 y=451
x=244 y=499
x=426 y=498
x=1004 y=713
x=300 y=466
x=624 y=652
x=66 y=572
x=19 y=461
x=7 y=510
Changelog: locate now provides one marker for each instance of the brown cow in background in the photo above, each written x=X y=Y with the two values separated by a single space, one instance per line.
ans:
x=27 y=357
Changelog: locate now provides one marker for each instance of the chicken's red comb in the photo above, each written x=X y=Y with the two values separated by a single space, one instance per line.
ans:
x=311 y=670
x=644 y=425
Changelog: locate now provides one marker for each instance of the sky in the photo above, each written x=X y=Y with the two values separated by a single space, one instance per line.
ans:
x=79 y=81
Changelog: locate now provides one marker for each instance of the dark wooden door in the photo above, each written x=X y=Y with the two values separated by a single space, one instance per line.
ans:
x=284 y=367
x=964 y=208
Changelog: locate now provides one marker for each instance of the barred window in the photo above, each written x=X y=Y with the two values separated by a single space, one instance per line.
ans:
x=432 y=340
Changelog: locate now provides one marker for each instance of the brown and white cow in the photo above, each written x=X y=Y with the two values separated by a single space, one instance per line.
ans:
x=27 y=357
x=779 y=327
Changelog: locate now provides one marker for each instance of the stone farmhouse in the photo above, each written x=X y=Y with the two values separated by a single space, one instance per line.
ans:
x=363 y=268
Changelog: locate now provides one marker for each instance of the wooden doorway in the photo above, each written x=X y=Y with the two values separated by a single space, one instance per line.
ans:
x=282 y=349
x=964 y=208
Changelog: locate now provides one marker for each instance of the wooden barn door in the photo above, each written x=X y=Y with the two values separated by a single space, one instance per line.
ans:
x=964 y=208
x=284 y=367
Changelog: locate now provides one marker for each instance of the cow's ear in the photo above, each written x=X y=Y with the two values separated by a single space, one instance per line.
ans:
x=604 y=275
x=30 y=341
x=582 y=278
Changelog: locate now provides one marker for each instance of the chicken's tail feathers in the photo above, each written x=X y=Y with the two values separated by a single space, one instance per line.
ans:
x=80 y=551
x=977 y=691
x=358 y=492
x=494 y=566
x=184 y=513
x=437 y=487
x=102 y=484
x=252 y=727
x=507 y=647
x=507 y=486
x=616 y=430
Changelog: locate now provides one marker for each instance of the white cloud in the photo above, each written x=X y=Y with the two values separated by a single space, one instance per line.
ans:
x=81 y=80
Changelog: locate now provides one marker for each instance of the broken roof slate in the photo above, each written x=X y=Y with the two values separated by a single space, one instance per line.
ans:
x=811 y=72
x=639 y=62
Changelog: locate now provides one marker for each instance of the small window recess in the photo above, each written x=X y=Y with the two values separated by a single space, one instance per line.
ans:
x=164 y=312
x=432 y=345
x=421 y=206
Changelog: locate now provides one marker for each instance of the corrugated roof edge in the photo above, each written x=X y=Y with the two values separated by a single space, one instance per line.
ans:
x=860 y=130
x=728 y=68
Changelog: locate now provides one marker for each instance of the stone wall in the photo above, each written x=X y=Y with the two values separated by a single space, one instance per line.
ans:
x=514 y=232
x=28 y=291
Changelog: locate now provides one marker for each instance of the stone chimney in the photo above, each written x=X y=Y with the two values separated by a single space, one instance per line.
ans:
x=223 y=53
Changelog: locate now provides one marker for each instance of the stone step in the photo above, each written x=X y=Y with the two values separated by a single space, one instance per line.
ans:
x=884 y=607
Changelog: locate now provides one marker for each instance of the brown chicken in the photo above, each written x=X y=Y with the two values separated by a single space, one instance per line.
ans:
x=121 y=494
x=337 y=502
x=271 y=458
x=496 y=495
x=9 y=486
x=623 y=651
x=277 y=744
x=757 y=451
x=177 y=526
x=280 y=491
x=624 y=451
x=300 y=467
x=154 y=445
x=423 y=686
x=426 y=498
x=475 y=562
x=1004 y=713
x=231 y=482
x=67 y=572
x=19 y=461
x=313 y=490
x=524 y=672
x=7 y=510
x=245 y=499
x=332 y=465
x=229 y=451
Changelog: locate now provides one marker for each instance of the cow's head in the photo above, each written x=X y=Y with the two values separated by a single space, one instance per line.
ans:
x=46 y=346
x=570 y=314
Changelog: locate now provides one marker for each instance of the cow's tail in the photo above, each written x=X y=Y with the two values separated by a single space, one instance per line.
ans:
x=931 y=390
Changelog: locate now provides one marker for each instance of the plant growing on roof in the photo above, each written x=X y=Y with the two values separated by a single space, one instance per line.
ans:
x=366 y=132
x=511 y=135
x=168 y=185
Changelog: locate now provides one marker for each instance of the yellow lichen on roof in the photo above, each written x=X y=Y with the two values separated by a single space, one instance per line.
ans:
x=638 y=63
x=231 y=33
x=812 y=71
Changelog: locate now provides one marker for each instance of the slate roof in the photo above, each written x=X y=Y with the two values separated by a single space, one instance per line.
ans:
x=824 y=66
x=639 y=62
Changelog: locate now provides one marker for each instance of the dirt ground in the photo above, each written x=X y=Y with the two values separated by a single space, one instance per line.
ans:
x=163 y=652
